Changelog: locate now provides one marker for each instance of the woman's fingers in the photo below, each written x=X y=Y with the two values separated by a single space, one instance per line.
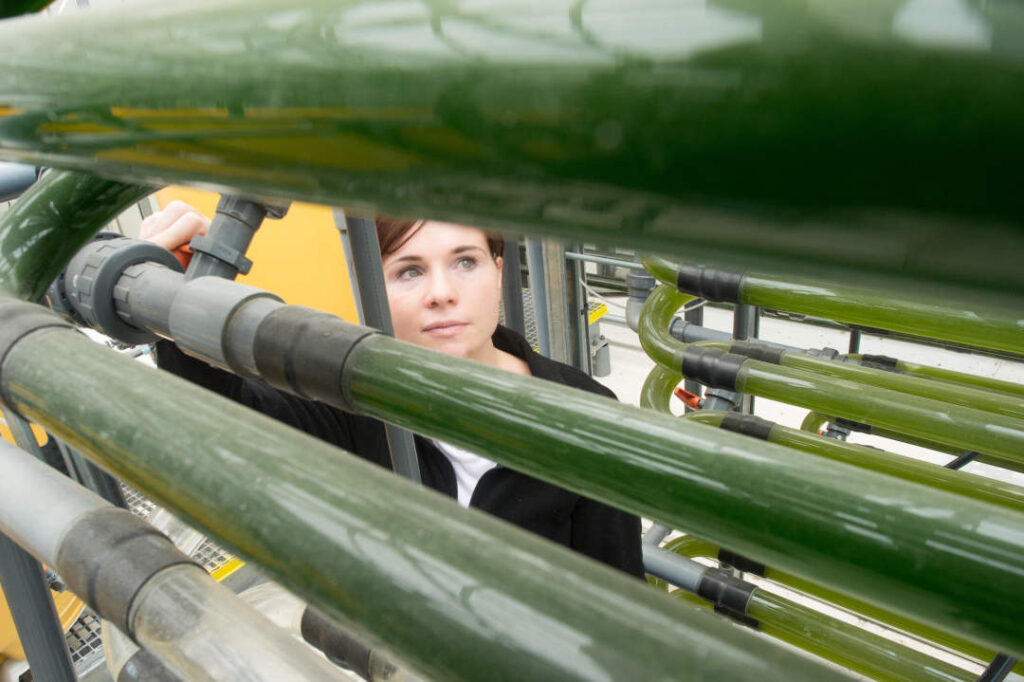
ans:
x=174 y=226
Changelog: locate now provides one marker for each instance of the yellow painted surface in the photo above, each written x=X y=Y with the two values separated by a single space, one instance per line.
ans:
x=6 y=434
x=227 y=568
x=300 y=257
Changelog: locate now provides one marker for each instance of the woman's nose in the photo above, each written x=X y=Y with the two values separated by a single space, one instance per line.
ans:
x=442 y=290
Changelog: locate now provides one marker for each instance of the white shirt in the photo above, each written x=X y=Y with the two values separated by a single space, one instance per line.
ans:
x=469 y=468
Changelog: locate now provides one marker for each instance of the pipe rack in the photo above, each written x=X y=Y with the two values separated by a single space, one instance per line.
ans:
x=738 y=148
x=366 y=546
x=628 y=457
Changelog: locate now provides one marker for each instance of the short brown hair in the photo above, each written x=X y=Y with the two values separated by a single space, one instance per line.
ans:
x=393 y=233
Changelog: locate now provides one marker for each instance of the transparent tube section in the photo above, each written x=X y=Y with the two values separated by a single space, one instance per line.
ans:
x=848 y=645
x=205 y=633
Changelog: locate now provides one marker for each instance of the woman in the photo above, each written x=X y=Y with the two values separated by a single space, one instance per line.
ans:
x=444 y=287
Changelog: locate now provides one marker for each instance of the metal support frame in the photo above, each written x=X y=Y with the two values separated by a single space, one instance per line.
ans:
x=512 y=286
x=578 y=319
x=367 y=275
x=27 y=592
x=35 y=617
x=746 y=323
x=557 y=310
x=539 y=293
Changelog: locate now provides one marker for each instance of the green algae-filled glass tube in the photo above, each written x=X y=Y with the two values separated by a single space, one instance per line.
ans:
x=857 y=649
x=772 y=503
x=964 y=395
x=455 y=593
x=995 y=434
x=720 y=134
x=985 y=320
x=906 y=468
x=52 y=220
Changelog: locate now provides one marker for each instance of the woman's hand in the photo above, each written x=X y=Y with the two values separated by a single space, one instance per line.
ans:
x=174 y=227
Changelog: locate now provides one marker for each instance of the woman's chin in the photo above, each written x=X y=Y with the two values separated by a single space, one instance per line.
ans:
x=451 y=347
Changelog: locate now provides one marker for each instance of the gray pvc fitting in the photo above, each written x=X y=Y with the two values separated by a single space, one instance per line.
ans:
x=639 y=285
x=672 y=568
x=209 y=318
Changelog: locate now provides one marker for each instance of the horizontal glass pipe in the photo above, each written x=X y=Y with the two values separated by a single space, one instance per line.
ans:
x=657 y=392
x=961 y=378
x=769 y=502
x=966 y=396
x=455 y=593
x=862 y=650
x=723 y=138
x=986 y=321
x=202 y=630
x=814 y=422
x=47 y=225
x=933 y=475
x=979 y=319
x=693 y=548
x=954 y=425
x=847 y=645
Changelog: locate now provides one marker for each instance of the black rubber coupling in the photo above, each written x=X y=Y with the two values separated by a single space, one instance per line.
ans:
x=108 y=556
x=740 y=562
x=883 y=362
x=729 y=594
x=304 y=351
x=338 y=645
x=712 y=367
x=748 y=425
x=709 y=283
x=757 y=351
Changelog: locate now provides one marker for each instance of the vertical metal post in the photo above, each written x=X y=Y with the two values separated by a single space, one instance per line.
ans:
x=539 y=293
x=35 y=616
x=745 y=325
x=694 y=316
x=854 y=341
x=512 y=286
x=553 y=255
x=367 y=274
x=578 y=320
x=28 y=595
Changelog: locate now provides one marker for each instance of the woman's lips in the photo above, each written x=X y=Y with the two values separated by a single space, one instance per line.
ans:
x=444 y=329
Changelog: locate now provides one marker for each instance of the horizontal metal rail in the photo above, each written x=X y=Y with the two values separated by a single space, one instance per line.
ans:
x=617 y=123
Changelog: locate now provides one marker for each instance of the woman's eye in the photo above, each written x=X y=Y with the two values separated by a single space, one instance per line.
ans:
x=466 y=263
x=409 y=273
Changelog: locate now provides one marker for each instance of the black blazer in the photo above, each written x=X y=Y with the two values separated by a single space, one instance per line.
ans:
x=589 y=527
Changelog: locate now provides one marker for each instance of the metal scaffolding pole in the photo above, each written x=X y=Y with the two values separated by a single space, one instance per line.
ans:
x=372 y=299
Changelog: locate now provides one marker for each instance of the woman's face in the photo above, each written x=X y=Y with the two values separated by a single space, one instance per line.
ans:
x=443 y=289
